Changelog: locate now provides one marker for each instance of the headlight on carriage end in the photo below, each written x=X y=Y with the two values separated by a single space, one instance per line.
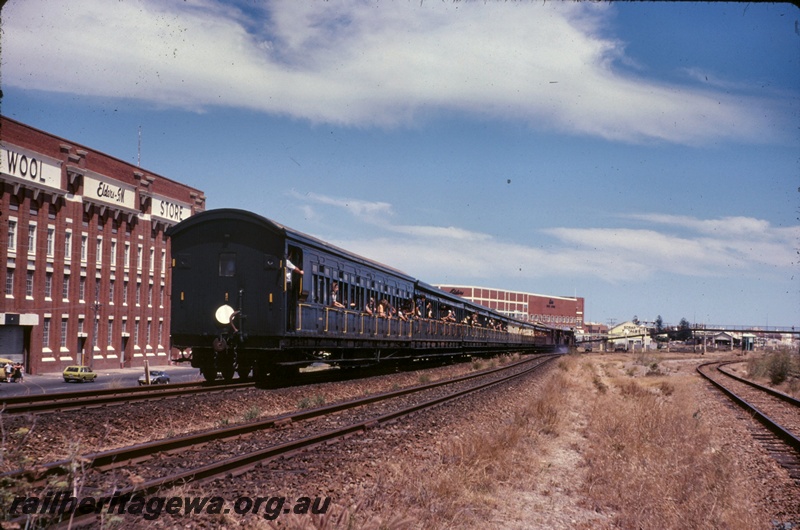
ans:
x=223 y=314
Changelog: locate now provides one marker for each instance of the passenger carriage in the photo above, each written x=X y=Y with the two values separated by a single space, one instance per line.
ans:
x=237 y=307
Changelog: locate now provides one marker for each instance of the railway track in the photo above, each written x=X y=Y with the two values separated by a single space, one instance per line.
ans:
x=778 y=414
x=46 y=403
x=235 y=450
x=57 y=402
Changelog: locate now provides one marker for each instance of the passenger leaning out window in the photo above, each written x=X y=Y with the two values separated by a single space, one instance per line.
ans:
x=335 y=295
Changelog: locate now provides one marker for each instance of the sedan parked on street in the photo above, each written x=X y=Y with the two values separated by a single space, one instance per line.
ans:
x=157 y=377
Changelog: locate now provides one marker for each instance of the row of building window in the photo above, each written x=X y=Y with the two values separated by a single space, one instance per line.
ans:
x=497 y=296
x=502 y=306
x=544 y=319
x=84 y=249
x=556 y=319
x=48 y=288
x=64 y=334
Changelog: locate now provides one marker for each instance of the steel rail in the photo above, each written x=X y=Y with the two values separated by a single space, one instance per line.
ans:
x=119 y=457
x=785 y=436
x=242 y=463
x=40 y=403
x=771 y=391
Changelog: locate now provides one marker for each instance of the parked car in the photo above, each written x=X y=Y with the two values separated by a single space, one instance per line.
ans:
x=79 y=374
x=157 y=377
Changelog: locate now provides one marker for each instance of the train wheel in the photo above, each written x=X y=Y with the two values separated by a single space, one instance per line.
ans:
x=204 y=360
x=226 y=366
x=243 y=366
x=261 y=374
x=209 y=371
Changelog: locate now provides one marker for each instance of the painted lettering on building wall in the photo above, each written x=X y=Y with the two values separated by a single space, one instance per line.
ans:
x=170 y=210
x=106 y=190
x=116 y=194
x=29 y=167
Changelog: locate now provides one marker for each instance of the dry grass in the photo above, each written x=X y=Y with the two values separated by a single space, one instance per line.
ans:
x=458 y=487
x=781 y=369
x=654 y=462
x=651 y=460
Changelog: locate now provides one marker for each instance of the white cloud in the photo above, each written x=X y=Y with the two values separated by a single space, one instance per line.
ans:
x=744 y=239
x=726 y=226
x=448 y=232
x=367 y=210
x=489 y=261
x=354 y=64
x=714 y=248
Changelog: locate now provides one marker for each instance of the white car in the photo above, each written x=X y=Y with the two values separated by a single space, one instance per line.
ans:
x=157 y=377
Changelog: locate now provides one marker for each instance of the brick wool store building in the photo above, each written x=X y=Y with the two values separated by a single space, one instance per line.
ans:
x=556 y=311
x=87 y=278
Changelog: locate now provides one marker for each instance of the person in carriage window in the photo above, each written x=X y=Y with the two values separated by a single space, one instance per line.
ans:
x=335 y=296
x=370 y=308
x=291 y=269
x=292 y=288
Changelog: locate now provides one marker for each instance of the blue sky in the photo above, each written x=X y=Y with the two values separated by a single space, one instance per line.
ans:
x=645 y=156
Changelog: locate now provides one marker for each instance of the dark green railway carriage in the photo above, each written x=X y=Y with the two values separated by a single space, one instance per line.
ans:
x=237 y=305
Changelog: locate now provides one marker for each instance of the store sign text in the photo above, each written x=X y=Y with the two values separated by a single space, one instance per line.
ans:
x=115 y=194
x=170 y=210
x=108 y=191
x=28 y=168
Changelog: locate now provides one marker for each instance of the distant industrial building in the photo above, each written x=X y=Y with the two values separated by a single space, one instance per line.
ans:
x=86 y=259
x=595 y=328
x=557 y=311
x=630 y=336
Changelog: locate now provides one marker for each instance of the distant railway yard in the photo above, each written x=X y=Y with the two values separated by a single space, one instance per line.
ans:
x=618 y=440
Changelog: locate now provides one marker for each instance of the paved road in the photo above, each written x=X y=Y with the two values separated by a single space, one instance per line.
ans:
x=54 y=382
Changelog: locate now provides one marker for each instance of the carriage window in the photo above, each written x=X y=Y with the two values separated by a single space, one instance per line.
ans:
x=227 y=264
x=320 y=290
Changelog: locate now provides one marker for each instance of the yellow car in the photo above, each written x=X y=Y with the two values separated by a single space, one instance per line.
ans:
x=79 y=374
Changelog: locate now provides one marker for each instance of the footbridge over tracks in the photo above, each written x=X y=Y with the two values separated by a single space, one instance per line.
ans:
x=699 y=333
x=767 y=330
